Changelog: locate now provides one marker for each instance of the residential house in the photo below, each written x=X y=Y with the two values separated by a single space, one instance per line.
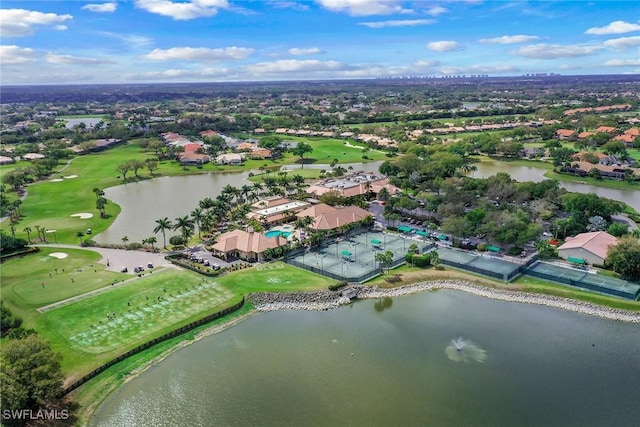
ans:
x=355 y=184
x=192 y=158
x=565 y=133
x=590 y=248
x=606 y=129
x=229 y=159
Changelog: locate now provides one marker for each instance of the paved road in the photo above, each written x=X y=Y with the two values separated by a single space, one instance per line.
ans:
x=623 y=218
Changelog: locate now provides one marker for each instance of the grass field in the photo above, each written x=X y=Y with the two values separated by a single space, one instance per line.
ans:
x=76 y=274
x=273 y=277
x=102 y=326
x=94 y=330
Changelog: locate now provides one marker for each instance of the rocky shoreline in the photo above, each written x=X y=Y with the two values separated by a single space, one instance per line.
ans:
x=326 y=300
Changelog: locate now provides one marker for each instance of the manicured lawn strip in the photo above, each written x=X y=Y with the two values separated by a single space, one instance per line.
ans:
x=80 y=272
x=75 y=330
x=90 y=395
x=273 y=277
x=327 y=149
x=305 y=173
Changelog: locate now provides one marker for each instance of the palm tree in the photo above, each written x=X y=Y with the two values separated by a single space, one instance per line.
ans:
x=152 y=241
x=28 y=230
x=16 y=205
x=164 y=224
x=125 y=239
x=185 y=225
x=79 y=235
x=207 y=203
x=245 y=191
x=197 y=216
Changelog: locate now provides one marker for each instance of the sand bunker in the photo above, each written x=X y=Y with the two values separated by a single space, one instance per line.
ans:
x=56 y=180
x=59 y=255
x=71 y=176
x=83 y=215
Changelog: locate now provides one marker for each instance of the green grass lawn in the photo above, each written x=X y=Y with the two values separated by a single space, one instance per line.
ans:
x=94 y=330
x=273 y=277
x=22 y=279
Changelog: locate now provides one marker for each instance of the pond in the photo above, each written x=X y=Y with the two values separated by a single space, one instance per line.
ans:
x=145 y=201
x=490 y=167
x=440 y=358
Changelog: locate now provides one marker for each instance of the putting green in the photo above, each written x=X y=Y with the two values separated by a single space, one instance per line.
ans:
x=45 y=277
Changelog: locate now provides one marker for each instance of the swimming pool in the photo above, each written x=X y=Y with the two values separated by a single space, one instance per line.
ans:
x=276 y=233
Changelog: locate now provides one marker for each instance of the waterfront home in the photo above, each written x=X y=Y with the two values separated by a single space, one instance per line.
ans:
x=229 y=159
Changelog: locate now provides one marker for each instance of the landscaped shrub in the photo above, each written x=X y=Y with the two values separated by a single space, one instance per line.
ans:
x=177 y=240
x=134 y=246
x=514 y=251
x=482 y=247
x=422 y=261
x=439 y=267
x=338 y=285
x=88 y=243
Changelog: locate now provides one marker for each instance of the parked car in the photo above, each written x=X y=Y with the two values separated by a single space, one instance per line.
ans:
x=124 y=270
x=150 y=265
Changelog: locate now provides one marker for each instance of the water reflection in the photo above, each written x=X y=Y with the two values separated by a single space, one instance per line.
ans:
x=382 y=304
x=460 y=350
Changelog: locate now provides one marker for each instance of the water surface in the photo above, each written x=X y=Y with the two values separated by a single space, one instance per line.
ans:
x=382 y=363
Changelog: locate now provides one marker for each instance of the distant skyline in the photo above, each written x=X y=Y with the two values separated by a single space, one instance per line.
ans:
x=153 y=41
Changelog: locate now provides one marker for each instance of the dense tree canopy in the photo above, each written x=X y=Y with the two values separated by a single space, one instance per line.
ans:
x=624 y=258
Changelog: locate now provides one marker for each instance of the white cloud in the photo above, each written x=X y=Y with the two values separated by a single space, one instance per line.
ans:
x=364 y=7
x=398 y=23
x=183 y=10
x=616 y=27
x=623 y=42
x=622 y=63
x=300 y=51
x=479 y=69
x=20 y=22
x=288 y=5
x=12 y=54
x=437 y=10
x=294 y=65
x=61 y=27
x=553 y=51
x=101 y=8
x=444 y=46
x=54 y=58
x=199 y=54
x=171 y=74
x=509 y=39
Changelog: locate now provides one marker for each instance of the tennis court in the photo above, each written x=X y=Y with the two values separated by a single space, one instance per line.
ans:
x=488 y=266
x=585 y=280
x=353 y=258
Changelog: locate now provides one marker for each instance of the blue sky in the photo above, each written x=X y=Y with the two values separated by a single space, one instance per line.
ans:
x=135 y=41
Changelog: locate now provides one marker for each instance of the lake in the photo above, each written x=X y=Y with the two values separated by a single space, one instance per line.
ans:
x=144 y=202
x=170 y=196
x=490 y=167
x=394 y=363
